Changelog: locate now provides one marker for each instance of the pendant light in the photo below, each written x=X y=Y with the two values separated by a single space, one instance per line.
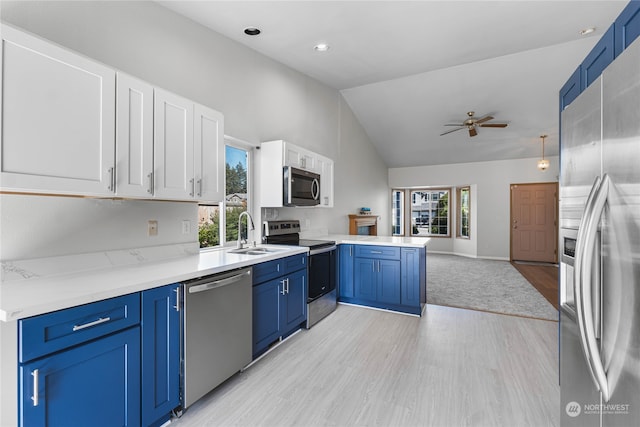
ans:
x=543 y=163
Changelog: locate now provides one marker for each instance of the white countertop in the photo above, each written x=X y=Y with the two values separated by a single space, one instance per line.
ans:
x=414 y=242
x=33 y=287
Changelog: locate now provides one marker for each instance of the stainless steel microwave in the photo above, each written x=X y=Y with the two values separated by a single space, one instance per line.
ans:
x=301 y=187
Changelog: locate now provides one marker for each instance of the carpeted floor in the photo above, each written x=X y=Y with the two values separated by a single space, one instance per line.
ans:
x=485 y=285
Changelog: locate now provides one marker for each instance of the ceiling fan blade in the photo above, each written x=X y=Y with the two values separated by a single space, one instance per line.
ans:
x=494 y=125
x=453 y=130
x=484 y=119
x=453 y=124
x=472 y=131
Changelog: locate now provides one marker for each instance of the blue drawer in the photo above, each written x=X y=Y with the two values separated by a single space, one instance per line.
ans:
x=378 y=252
x=295 y=263
x=268 y=270
x=48 y=333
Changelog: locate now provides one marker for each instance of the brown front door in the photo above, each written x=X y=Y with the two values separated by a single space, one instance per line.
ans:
x=534 y=235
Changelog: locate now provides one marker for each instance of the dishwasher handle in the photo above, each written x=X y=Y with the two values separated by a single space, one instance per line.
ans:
x=219 y=283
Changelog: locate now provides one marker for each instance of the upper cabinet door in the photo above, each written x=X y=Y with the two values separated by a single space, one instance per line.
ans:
x=134 y=137
x=173 y=163
x=627 y=26
x=209 y=161
x=598 y=59
x=58 y=119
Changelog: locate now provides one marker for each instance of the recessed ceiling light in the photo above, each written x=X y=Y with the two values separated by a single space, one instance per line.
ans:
x=321 y=47
x=252 y=31
x=586 y=31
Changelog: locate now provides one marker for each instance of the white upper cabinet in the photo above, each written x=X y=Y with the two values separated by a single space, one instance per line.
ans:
x=134 y=137
x=189 y=150
x=173 y=125
x=326 y=180
x=209 y=161
x=58 y=119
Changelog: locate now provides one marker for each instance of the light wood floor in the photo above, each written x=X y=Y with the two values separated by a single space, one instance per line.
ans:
x=362 y=367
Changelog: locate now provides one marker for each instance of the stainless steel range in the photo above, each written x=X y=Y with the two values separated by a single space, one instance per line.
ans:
x=321 y=289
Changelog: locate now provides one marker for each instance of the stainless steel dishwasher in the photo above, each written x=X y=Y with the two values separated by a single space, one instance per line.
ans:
x=216 y=331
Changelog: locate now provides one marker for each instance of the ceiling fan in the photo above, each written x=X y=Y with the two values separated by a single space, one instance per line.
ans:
x=471 y=123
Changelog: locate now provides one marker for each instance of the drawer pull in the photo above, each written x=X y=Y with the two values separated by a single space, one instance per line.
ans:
x=35 y=396
x=376 y=252
x=90 y=324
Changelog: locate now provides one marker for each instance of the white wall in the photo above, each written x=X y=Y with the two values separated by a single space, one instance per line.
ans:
x=490 y=199
x=260 y=99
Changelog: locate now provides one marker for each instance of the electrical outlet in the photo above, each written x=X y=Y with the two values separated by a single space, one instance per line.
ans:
x=152 y=229
x=186 y=226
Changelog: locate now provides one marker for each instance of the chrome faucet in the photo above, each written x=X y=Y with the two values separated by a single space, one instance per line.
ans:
x=241 y=242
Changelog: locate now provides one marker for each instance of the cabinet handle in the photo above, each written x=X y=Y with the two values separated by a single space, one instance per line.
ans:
x=150 y=190
x=35 y=396
x=200 y=187
x=284 y=290
x=193 y=187
x=177 y=291
x=287 y=285
x=378 y=266
x=112 y=180
x=90 y=324
x=376 y=252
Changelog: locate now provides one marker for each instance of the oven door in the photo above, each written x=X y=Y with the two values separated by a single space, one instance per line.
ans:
x=301 y=188
x=322 y=268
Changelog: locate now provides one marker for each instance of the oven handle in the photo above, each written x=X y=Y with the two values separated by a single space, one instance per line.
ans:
x=322 y=250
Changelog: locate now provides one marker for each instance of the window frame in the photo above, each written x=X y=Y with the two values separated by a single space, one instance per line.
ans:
x=459 y=214
x=222 y=205
x=401 y=209
x=430 y=190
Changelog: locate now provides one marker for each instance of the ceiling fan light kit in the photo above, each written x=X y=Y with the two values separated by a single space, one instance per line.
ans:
x=471 y=123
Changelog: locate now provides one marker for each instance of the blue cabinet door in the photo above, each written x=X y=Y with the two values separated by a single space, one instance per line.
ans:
x=266 y=314
x=571 y=89
x=388 y=281
x=365 y=278
x=160 y=354
x=345 y=271
x=627 y=26
x=293 y=308
x=95 y=384
x=410 y=276
x=598 y=59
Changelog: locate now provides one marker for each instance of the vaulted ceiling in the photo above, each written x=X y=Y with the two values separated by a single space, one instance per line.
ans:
x=406 y=68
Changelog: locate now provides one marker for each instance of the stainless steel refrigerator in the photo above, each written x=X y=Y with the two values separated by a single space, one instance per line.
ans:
x=600 y=256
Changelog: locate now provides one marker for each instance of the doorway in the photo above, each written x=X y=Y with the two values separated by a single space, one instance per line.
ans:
x=534 y=222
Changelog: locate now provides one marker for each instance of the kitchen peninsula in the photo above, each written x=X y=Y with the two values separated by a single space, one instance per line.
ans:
x=384 y=272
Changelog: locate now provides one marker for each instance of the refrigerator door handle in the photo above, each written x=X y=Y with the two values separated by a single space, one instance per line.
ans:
x=583 y=282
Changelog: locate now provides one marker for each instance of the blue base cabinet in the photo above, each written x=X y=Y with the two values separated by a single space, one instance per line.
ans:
x=345 y=271
x=279 y=300
x=266 y=315
x=114 y=362
x=160 y=354
x=95 y=384
x=413 y=263
x=387 y=277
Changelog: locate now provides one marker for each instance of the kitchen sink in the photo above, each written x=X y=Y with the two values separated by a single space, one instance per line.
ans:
x=254 y=251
